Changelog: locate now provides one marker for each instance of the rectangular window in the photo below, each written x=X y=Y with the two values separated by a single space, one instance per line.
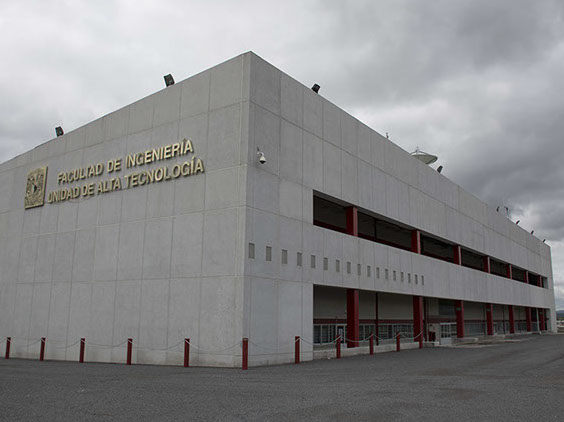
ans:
x=409 y=277
x=313 y=261
x=415 y=278
x=251 y=251
x=377 y=272
x=394 y=276
x=401 y=277
x=269 y=253
x=386 y=274
x=348 y=267
x=338 y=266
x=359 y=270
x=368 y=274
x=284 y=256
x=422 y=280
x=325 y=264
x=299 y=259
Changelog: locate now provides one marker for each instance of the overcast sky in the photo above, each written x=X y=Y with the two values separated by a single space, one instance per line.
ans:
x=479 y=83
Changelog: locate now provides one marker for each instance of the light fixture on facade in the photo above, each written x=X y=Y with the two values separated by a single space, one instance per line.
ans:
x=59 y=131
x=169 y=80
x=315 y=88
x=260 y=155
x=440 y=168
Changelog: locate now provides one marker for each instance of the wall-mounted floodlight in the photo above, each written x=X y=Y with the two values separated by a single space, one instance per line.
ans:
x=169 y=80
x=517 y=222
x=544 y=240
x=59 y=131
x=532 y=231
x=497 y=209
x=260 y=155
x=440 y=168
x=315 y=88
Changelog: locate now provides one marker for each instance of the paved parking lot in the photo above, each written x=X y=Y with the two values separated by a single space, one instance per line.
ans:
x=514 y=381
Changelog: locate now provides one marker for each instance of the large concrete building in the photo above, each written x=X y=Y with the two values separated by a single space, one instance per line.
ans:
x=159 y=222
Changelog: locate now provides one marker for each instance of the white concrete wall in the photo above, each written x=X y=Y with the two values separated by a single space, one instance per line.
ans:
x=311 y=145
x=157 y=263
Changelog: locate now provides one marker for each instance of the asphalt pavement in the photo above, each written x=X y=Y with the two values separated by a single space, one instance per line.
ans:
x=512 y=381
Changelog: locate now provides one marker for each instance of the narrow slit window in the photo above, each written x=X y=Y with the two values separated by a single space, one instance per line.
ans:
x=368 y=274
x=348 y=267
x=378 y=272
x=325 y=264
x=386 y=274
x=338 y=266
x=299 y=259
x=394 y=276
x=284 y=256
x=269 y=253
x=401 y=277
x=251 y=251
x=359 y=269
x=312 y=261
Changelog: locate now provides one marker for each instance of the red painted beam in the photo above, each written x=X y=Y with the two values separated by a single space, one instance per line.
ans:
x=511 y=319
x=352 y=221
x=459 y=306
x=542 y=321
x=377 y=320
x=487 y=266
x=416 y=241
x=418 y=319
x=508 y=271
x=352 y=318
x=526 y=277
x=457 y=254
x=8 y=344
x=129 y=350
x=489 y=319
x=529 y=319
x=297 y=350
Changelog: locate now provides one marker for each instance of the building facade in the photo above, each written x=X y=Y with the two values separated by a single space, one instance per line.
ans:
x=159 y=222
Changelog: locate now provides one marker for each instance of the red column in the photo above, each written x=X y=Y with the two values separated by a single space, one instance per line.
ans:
x=487 y=266
x=352 y=221
x=528 y=317
x=377 y=321
x=245 y=357
x=42 y=349
x=82 y=346
x=511 y=319
x=416 y=241
x=129 y=350
x=418 y=318
x=457 y=254
x=526 y=277
x=8 y=344
x=508 y=271
x=459 y=305
x=352 y=318
x=542 y=321
x=338 y=348
x=297 y=350
x=489 y=319
x=186 y=352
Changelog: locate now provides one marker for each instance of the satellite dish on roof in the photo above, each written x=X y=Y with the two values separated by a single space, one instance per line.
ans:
x=423 y=156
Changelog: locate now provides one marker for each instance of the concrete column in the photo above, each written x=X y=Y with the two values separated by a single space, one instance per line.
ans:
x=489 y=319
x=459 y=306
x=418 y=317
x=511 y=319
x=526 y=277
x=542 y=321
x=487 y=266
x=457 y=254
x=508 y=271
x=528 y=318
x=352 y=318
x=416 y=241
x=352 y=221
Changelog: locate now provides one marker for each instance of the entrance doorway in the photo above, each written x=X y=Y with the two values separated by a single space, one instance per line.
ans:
x=448 y=331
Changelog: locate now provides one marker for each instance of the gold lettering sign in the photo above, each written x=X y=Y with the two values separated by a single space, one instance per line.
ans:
x=35 y=188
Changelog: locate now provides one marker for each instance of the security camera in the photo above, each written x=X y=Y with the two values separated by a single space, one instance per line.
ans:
x=261 y=157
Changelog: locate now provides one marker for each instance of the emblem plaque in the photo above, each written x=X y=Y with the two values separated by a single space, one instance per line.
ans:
x=35 y=188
